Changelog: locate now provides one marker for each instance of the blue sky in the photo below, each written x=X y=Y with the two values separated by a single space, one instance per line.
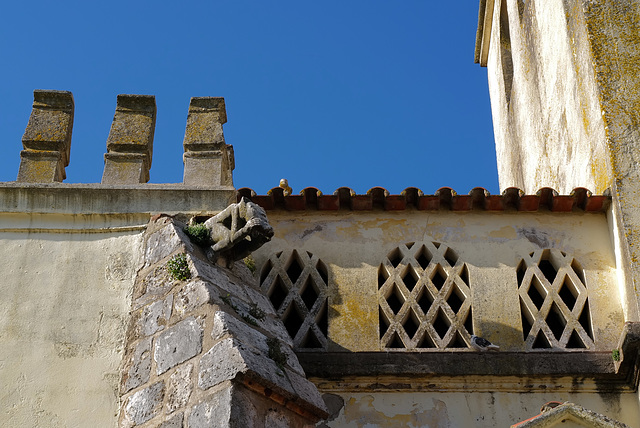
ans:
x=325 y=94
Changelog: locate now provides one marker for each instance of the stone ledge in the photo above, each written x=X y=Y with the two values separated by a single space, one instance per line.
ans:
x=629 y=348
x=64 y=198
x=522 y=371
x=456 y=363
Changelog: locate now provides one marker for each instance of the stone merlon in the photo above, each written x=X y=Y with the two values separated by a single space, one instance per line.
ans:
x=208 y=160
x=47 y=138
x=130 y=141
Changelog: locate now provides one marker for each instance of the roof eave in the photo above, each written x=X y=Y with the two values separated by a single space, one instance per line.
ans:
x=483 y=35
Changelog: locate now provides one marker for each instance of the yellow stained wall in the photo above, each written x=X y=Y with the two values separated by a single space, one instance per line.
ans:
x=566 y=112
x=354 y=244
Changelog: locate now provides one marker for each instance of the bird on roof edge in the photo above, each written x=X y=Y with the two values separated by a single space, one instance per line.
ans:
x=483 y=344
x=284 y=185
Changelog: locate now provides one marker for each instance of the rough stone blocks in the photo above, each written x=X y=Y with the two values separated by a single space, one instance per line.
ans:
x=218 y=358
x=179 y=388
x=177 y=344
x=144 y=405
x=139 y=366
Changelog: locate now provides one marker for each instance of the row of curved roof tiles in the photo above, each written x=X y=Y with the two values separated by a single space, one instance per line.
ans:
x=511 y=199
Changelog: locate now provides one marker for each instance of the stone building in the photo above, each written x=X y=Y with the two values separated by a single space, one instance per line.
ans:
x=352 y=310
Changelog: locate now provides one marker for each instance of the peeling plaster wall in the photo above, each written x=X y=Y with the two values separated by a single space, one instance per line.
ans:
x=471 y=409
x=545 y=98
x=66 y=289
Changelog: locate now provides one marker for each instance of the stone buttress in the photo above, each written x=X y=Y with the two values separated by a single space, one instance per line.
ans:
x=208 y=350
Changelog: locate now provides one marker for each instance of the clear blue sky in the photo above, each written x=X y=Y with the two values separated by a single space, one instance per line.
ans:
x=325 y=94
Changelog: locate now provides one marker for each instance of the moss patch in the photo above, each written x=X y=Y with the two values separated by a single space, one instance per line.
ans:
x=199 y=234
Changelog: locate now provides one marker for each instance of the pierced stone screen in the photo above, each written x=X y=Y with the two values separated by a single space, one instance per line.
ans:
x=296 y=283
x=424 y=298
x=554 y=301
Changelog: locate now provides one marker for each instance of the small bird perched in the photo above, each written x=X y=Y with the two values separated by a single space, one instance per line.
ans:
x=483 y=344
x=550 y=406
x=284 y=185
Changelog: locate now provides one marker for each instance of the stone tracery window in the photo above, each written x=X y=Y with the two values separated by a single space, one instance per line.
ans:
x=424 y=298
x=554 y=301
x=296 y=284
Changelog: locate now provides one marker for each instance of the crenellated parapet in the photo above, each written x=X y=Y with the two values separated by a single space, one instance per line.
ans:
x=47 y=139
x=130 y=141
x=208 y=159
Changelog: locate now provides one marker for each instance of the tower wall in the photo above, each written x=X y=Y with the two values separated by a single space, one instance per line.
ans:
x=565 y=97
x=547 y=113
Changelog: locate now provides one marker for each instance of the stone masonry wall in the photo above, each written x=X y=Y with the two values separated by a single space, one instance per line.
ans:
x=207 y=350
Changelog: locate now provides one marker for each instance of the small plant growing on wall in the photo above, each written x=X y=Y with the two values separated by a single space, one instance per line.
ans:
x=227 y=299
x=256 y=312
x=178 y=267
x=249 y=320
x=250 y=263
x=615 y=355
x=275 y=353
x=199 y=234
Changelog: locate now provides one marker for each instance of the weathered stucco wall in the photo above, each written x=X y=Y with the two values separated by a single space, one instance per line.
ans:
x=614 y=30
x=66 y=287
x=564 y=79
x=565 y=93
x=68 y=255
x=547 y=115
x=469 y=409
x=353 y=246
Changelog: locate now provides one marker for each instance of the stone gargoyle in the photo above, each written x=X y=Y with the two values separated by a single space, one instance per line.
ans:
x=237 y=231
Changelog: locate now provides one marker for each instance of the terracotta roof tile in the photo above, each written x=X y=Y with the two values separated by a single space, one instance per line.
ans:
x=445 y=198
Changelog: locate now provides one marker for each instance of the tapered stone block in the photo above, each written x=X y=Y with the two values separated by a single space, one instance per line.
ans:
x=208 y=160
x=130 y=141
x=47 y=138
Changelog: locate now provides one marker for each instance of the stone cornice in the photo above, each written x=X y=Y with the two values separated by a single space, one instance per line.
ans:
x=63 y=198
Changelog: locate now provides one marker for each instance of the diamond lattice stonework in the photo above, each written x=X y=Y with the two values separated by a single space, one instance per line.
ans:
x=296 y=284
x=423 y=295
x=554 y=301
